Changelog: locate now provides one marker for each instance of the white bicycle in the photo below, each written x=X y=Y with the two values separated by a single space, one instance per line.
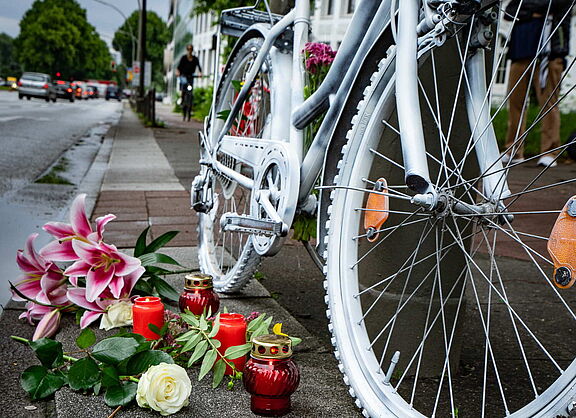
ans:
x=418 y=214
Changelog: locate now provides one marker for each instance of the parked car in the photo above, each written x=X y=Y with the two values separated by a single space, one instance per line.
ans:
x=36 y=85
x=64 y=90
x=95 y=93
x=112 y=92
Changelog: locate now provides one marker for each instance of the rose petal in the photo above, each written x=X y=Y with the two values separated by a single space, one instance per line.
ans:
x=59 y=229
x=96 y=281
x=78 y=218
x=59 y=251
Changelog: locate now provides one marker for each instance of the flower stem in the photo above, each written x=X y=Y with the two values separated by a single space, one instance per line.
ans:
x=231 y=365
x=131 y=378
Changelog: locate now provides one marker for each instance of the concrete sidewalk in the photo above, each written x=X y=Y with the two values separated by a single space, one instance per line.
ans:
x=142 y=188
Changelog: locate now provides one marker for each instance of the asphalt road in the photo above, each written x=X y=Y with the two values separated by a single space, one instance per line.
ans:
x=35 y=136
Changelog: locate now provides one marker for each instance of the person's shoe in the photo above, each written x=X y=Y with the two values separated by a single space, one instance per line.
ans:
x=506 y=159
x=547 y=161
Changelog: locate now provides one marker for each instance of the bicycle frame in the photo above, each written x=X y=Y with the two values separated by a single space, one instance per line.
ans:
x=348 y=61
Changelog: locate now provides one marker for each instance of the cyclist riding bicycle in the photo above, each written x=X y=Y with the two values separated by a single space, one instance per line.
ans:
x=186 y=70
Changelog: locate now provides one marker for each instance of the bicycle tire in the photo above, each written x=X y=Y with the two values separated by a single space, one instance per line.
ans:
x=348 y=289
x=247 y=260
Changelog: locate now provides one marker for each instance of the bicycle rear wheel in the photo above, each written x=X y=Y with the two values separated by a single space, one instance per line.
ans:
x=468 y=302
x=230 y=256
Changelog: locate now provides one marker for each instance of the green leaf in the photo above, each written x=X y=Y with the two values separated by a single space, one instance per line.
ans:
x=110 y=376
x=295 y=341
x=190 y=319
x=198 y=352
x=223 y=114
x=253 y=325
x=158 y=271
x=144 y=288
x=216 y=343
x=48 y=351
x=39 y=382
x=237 y=84
x=96 y=388
x=115 y=349
x=141 y=243
x=237 y=351
x=219 y=369
x=120 y=395
x=83 y=374
x=215 y=327
x=154 y=328
x=140 y=362
x=161 y=241
x=164 y=288
x=191 y=343
x=262 y=329
x=207 y=363
x=152 y=258
x=186 y=336
x=86 y=339
x=225 y=309
x=203 y=323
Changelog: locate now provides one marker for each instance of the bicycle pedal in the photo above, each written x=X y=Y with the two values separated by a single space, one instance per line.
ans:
x=376 y=210
x=562 y=246
x=233 y=222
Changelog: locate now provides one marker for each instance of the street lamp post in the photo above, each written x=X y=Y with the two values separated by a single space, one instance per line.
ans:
x=131 y=33
x=142 y=48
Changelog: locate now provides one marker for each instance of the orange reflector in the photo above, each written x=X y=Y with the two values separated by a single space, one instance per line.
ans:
x=562 y=246
x=376 y=211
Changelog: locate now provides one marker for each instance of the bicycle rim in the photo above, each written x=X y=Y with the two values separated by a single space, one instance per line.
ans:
x=230 y=257
x=470 y=306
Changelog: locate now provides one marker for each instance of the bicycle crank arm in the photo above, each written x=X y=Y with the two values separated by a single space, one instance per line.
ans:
x=233 y=222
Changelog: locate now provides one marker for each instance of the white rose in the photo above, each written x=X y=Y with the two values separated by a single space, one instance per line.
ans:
x=164 y=388
x=118 y=314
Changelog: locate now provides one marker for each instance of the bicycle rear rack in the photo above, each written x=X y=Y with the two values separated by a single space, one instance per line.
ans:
x=234 y=22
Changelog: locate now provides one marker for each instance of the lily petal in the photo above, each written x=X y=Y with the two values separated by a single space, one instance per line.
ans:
x=51 y=280
x=90 y=253
x=78 y=217
x=79 y=268
x=30 y=253
x=88 y=317
x=59 y=229
x=131 y=279
x=48 y=325
x=116 y=286
x=127 y=265
x=59 y=251
x=27 y=265
x=100 y=223
x=28 y=287
x=96 y=282
x=77 y=296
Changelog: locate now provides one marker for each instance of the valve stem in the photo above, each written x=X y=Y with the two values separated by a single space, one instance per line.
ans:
x=391 y=368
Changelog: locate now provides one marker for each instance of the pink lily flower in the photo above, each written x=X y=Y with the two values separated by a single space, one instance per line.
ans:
x=97 y=307
x=48 y=325
x=78 y=229
x=102 y=265
x=40 y=275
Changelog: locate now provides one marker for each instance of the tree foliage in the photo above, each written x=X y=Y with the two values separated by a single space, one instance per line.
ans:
x=8 y=64
x=55 y=36
x=157 y=36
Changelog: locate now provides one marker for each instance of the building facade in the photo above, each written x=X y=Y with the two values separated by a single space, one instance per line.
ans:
x=330 y=19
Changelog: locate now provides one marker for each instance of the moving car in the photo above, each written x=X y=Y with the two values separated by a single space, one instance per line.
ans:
x=36 y=85
x=112 y=92
x=95 y=93
x=64 y=90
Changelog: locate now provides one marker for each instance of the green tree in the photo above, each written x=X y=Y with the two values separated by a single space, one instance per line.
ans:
x=8 y=64
x=55 y=36
x=157 y=36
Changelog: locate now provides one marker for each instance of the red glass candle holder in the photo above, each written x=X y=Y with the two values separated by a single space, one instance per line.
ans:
x=232 y=332
x=147 y=310
x=198 y=295
x=270 y=376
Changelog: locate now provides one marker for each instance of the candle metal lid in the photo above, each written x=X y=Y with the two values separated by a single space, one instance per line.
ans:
x=198 y=281
x=271 y=346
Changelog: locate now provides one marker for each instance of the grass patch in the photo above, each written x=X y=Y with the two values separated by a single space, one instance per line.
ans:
x=7 y=88
x=53 y=176
x=532 y=142
x=149 y=123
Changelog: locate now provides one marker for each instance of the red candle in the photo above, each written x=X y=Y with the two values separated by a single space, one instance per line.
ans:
x=270 y=375
x=147 y=310
x=199 y=296
x=232 y=332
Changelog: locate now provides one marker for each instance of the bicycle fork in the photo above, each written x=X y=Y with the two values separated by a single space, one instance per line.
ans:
x=417 y=177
